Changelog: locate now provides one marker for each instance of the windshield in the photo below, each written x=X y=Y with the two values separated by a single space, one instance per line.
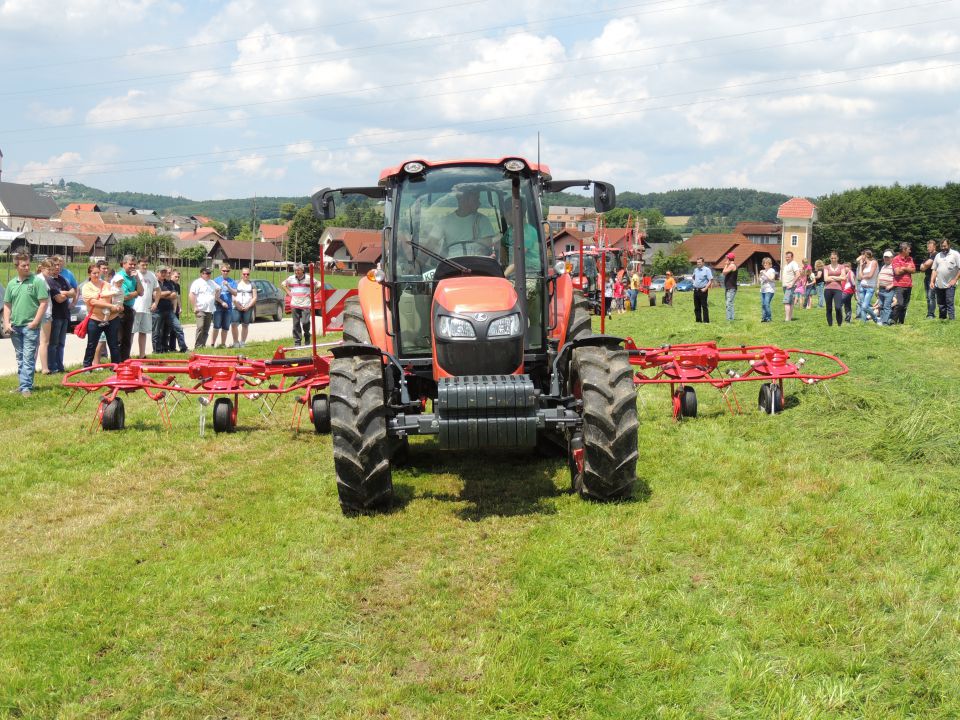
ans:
x=458 y=211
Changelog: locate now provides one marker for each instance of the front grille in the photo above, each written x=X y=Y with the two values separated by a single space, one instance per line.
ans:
x=480 y=357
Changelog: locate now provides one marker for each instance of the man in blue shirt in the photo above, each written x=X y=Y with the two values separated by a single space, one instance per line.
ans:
x=702 y=279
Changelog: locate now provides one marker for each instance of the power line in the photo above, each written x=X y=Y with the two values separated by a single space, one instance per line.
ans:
x=380 y=88
x=233 y=151
x=262 y=36
x=340 y=53
x=353 y=145
x=589 y=73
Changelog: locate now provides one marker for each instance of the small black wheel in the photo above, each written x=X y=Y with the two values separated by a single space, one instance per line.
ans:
x=320 y=412
x=688 y=402
x=223 y=415
x=770 y=399
x=114 y=416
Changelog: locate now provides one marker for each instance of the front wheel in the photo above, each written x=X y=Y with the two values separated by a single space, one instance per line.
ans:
x=358 y=423
x=603 y=457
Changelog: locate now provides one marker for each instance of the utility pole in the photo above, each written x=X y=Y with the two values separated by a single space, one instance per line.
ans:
x=253 y=237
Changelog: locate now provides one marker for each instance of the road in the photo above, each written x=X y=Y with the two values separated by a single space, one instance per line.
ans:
x=73 y=354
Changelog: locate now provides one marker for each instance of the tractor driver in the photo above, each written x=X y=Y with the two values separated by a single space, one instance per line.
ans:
x=465 y=231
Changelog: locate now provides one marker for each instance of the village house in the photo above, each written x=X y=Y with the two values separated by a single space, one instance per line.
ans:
x=240 y=253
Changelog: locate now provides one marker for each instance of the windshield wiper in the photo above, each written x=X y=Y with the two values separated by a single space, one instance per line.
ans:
x=440 y=258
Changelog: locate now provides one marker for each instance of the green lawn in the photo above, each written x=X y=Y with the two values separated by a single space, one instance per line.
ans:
x=796 y=566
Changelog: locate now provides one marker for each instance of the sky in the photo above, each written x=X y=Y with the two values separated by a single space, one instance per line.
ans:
x=214 y=99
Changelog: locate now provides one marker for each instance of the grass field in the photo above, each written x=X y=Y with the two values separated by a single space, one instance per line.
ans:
x=796 y=566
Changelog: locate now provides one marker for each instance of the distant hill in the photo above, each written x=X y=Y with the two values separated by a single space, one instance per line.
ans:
x=707 y=208
x=223 y=210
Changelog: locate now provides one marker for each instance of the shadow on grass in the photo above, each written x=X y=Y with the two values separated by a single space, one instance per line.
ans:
x=502 y=483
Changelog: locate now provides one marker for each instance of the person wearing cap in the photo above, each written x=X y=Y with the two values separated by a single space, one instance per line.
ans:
x=903 y=270
x=702 y=279
x=730 y=283
x=885 y=288
x=668 y=285
x=203 y=300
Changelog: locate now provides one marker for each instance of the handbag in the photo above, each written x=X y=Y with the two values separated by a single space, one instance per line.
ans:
x=81 y=328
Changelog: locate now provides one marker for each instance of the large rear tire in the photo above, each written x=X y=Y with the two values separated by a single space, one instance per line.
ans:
x=358 y=424
x=603 y=379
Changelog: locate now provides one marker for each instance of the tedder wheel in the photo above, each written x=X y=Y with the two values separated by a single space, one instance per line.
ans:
x=320 y=412
x=223 y=415
x=361 y=446
x=114 y=416
x=688 y=402
x=603 y=379
x=770 y=400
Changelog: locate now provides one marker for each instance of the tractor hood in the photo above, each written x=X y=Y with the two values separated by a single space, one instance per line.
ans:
x=475 y=294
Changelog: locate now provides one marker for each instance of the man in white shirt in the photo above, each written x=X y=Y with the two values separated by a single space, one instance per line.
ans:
x=203 y=296
x=297 y=286
x=943 y=279
x=145 y=305
x=789 y=274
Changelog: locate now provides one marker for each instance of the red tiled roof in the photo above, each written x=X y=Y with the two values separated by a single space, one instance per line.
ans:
x=84 y=217
x=241 y=250
x=202 y=219
x=81 y=207
x=797 y=208
x=758 y=228
x=201 y=233
x=714 y=248
x=99 y=228
x=355 y=240
x=273 y=232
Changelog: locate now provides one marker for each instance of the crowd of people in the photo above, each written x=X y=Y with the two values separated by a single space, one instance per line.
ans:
x=127 y=306
x=882 y=289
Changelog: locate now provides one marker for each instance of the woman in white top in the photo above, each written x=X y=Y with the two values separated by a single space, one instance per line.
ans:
x=768 y=280
x=243 y=304
x=867 y=270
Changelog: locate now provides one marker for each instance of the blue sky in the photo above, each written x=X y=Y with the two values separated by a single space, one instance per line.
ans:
x=231 y=99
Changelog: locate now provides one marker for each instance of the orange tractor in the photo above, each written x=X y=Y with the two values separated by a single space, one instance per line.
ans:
x=469 y=335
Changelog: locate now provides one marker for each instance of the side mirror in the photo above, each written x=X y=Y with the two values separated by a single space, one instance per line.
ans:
x=604 y=196
x=323 y=205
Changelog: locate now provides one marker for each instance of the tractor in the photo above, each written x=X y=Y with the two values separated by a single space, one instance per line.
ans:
x=469 y=332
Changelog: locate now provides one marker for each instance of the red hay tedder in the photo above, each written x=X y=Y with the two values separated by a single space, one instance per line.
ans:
x=218 y=379
x=683 y=366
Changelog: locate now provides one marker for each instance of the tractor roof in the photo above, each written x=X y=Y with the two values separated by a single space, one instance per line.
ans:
x=391 y=171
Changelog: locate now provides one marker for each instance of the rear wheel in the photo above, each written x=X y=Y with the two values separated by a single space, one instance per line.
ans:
x=358 y=423
x=114 y=415
x=688 y=402
x=278 y=315
x=223 y=420
x=770 y=399
x=603 y=379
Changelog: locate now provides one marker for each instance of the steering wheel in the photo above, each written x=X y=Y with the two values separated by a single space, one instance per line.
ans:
x=465 y=243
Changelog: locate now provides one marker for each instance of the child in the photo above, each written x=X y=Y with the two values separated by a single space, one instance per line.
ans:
x=618 y=293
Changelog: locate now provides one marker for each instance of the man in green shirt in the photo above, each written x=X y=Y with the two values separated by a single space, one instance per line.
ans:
x=465 y=231
x=24 y=304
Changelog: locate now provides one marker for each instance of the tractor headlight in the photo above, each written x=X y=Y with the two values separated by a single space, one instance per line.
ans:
x=507 y=326
x=451 y=328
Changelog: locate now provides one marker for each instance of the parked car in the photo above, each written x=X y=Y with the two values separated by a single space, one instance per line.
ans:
x=656 y=284
x=684 y=285
x=269 y=301
x=77 y=313
x=317 y=299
